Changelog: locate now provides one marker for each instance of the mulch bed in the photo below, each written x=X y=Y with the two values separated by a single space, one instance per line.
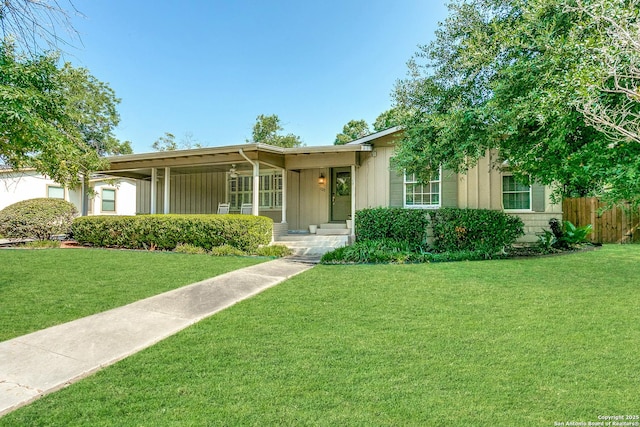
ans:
x=535 y=251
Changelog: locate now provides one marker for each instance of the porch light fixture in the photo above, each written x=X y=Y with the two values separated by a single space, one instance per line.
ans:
x=322 y=180
x=232 y=171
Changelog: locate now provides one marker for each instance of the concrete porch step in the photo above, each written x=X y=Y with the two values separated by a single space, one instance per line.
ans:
x=312 y=245
x=333 y=225
x=333 y=231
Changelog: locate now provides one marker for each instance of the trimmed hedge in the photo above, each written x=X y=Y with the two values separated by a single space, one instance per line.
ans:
x=475 y=230
x=392 y=252
x=37 y=218
x=407 y=225
x=165 y=232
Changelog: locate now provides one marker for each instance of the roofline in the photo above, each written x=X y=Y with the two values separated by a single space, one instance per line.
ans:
x=195 y=152
x=372 y=136
x=237 y=148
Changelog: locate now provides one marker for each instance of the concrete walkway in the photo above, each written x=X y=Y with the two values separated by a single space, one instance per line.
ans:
x=44 y=361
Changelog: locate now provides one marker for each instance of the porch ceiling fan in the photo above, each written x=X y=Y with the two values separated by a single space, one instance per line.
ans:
x=232 y=172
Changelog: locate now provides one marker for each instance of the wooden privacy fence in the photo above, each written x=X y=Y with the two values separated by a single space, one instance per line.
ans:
x=615 y=225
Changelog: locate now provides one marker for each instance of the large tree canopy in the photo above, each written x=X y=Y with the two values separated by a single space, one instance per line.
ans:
x=353 y=130
x=508 y=75
x=611 y=70
x=394 y=116
x=267 y=130
x=59 y=120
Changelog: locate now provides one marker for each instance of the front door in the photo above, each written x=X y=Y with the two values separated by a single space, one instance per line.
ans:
x=340 y=194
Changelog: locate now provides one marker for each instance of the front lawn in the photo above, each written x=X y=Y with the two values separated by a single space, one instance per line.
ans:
x=42 y=288
x=521 y=342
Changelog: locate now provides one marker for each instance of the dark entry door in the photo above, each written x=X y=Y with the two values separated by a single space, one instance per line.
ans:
x=340 y=194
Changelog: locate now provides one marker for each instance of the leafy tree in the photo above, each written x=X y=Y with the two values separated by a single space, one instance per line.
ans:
x=92 y=109
x=167 y=142
x=353 y=130
x=503 y=75
x=267 y=130
x=59 y=120
x=390 y=118
x=610 y=70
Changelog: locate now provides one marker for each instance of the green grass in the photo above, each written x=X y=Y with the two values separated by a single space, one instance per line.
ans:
x=42 y=288
x=524 y=342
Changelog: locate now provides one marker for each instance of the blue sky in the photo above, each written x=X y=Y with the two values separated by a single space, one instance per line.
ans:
x=210 y=67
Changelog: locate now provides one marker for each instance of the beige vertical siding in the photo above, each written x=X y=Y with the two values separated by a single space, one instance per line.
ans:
x=481 y=186
x=197 y=193
x=143 y=195
x=372 y=179
x=293 y=200
x=313 y=200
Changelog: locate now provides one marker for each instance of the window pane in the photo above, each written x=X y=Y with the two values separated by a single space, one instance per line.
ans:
x=515 y=195
x=55 y=192
x=108 y=200
x=427 y=195
x=240 y=190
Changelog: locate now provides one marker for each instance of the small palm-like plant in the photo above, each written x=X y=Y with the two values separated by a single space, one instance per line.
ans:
x=572 y=235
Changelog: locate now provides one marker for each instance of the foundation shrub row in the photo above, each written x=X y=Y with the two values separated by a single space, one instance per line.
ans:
x=166 y=232
x=396 y=235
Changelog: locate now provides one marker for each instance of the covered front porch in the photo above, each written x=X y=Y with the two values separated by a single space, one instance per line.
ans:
x=296 y=187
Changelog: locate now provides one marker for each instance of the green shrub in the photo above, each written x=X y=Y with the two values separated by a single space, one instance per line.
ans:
x=226 y=250
x=165 y=232
x=407 y=225
x=547 y=241
x=475 y=230
x=186 y=248
x=381 y=251
x=387 y=251
x=572 y=235
x=37 y=218
x=277 y=251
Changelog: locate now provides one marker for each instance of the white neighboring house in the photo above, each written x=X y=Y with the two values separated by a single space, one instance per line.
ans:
x=111 y=196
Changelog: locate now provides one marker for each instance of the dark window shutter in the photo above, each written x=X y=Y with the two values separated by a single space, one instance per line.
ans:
x=396 y=192
x=449 y=182
x=537 y=198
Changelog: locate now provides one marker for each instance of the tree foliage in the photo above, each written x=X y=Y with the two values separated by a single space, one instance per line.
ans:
x=611 y=69
x=267 y=130
x=505 y=75
x=59 y=120
x=395 y=116
x=167 y=142
x=353 y=130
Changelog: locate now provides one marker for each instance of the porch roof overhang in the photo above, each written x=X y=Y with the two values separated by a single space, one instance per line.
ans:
x=219 y=159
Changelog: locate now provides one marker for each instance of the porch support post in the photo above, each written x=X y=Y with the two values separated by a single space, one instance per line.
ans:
x=284 y=196
x=353 y=200
x=255 y=205
x=154 y=190
x=256 y=189
x=85 y=195
x=167 y=189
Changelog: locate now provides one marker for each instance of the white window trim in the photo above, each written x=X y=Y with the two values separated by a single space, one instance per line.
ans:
x=64 y=191
x=502 y=196
x=432 y=206
x=115 y=200
x=273 y=190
